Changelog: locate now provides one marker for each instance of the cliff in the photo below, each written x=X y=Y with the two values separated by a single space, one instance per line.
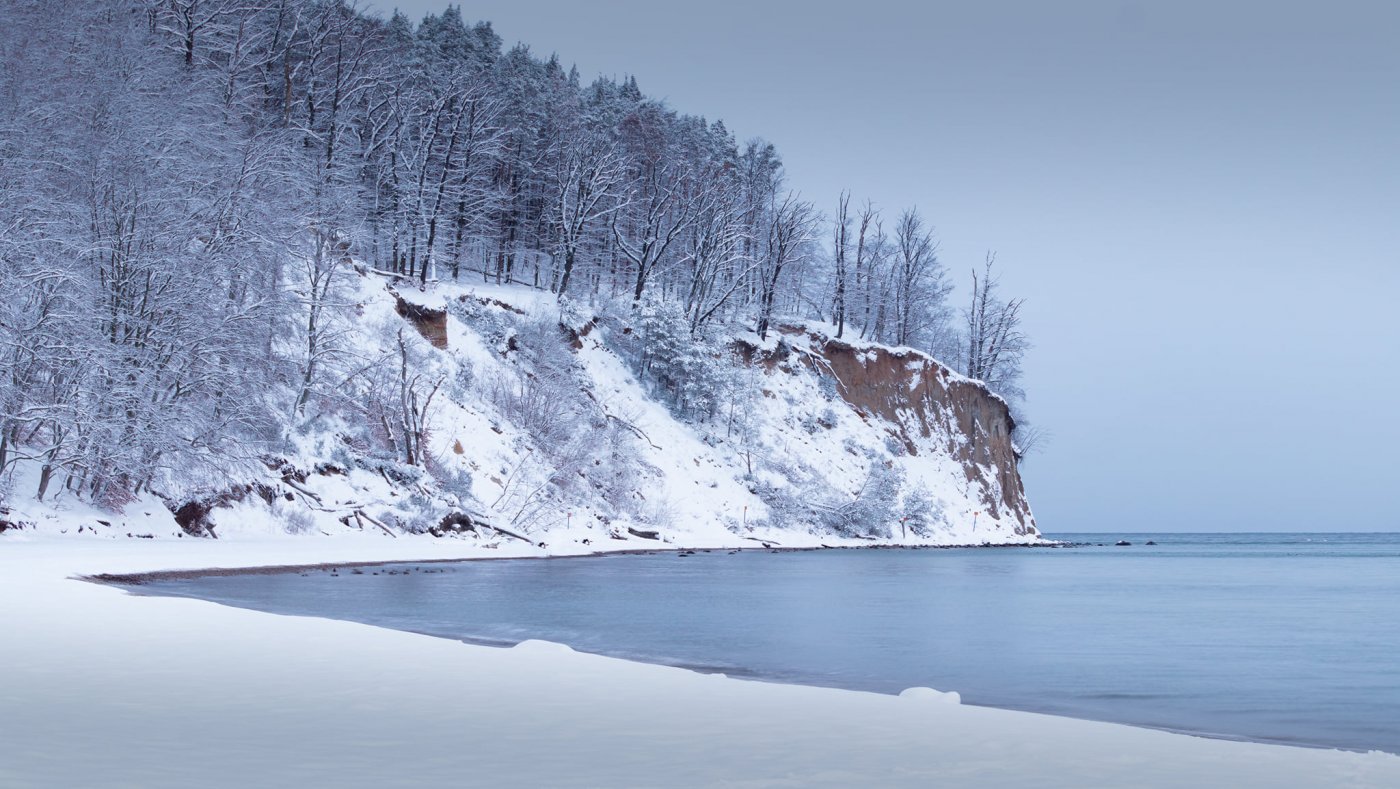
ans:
x=500 y=415
x=935 y=411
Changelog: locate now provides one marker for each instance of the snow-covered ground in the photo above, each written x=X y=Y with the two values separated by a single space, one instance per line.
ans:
x=100 y=688
x=540 y=424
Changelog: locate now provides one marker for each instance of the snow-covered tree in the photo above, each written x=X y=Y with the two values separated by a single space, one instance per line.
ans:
x=191 y=191
x=995 y=342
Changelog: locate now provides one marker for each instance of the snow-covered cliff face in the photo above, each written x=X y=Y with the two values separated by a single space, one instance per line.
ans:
x=583 y=429
x=936 y=412
x=896 y=412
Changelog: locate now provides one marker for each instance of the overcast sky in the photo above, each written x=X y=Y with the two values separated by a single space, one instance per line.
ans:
x=1200 y=202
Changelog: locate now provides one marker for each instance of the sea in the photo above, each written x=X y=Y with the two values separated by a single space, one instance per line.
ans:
x=1283 y=638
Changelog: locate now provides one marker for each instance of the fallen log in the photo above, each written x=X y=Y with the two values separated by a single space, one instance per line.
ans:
x=510 y=533
x=298 y=488
x=637 y=431
x=360 y=514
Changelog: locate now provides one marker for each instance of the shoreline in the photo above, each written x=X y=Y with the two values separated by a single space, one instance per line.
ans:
x=295 y=700
x=141 y=578
x=131 y=582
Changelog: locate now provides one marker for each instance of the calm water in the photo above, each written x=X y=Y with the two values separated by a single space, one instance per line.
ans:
x=1275 y=637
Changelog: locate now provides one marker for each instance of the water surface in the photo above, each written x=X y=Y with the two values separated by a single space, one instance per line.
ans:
x=1273 y=637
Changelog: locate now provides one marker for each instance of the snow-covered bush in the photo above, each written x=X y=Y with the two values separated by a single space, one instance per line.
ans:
x=695 y=374
x=786 y=508
x=895 y=447
x=872 y=511
x=493 y=325
x=423 y=512
x=573 y=448
x=540 y=404
x=922 y=513
x=659 y=512
x=614 y=468
x=392 y=470
x=295 y=519
x=541 y=392
x=462 y=379
x=826 y=420
x=454 y=481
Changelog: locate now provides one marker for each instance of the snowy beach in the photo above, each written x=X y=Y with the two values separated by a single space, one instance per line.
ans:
x=557 y=394
x=103 y=688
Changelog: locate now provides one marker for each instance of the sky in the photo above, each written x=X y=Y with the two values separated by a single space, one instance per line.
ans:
x=1199 y=202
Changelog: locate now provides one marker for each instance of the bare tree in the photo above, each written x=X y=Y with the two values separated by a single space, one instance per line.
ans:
x=789 y=233
x=719 y=263
x=668 y=202
x=190 y=21
x=995 y=342
x=920 y=285
x=586 y=182
x=453 y=166
x=416 y=391
x=871 y=282
x=841 y=228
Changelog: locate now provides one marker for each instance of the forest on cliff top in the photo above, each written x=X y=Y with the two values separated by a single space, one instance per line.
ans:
x=188 y=187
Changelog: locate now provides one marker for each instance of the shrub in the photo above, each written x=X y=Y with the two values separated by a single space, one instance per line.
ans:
x=694 y=374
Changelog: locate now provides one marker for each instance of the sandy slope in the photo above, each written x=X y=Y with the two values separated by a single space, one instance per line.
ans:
x=100 y=688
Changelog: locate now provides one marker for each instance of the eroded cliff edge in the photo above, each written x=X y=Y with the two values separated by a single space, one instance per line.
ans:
x=933 y=411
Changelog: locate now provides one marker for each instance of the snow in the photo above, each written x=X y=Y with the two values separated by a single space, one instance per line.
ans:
x=826 y=331
x=697 y=485
x=101 y=688
x=951 y=697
